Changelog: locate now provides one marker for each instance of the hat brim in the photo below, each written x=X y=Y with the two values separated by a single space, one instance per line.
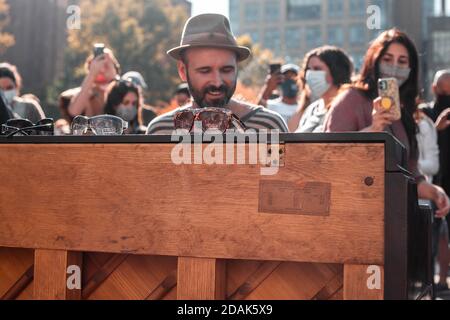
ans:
x=242 y=52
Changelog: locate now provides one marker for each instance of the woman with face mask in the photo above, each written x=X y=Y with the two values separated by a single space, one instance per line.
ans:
x=10 y=86
x=325 y=70
x=124 y=101
x=392 y=54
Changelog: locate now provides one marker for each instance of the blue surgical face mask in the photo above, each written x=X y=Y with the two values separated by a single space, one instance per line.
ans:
x=391 y=71
x=290 y=89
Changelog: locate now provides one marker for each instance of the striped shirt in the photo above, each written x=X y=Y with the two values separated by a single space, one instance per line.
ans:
x=258 y=118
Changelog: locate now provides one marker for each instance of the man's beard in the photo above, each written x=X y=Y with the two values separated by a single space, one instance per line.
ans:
x=199 y=96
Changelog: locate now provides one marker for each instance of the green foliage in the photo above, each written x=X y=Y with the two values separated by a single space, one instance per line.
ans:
x=138 y=31
x=253 y=72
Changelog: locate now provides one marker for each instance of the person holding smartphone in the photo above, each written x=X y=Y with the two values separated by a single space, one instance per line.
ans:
x=102 y=68
x=359 y=108
x=286 y=78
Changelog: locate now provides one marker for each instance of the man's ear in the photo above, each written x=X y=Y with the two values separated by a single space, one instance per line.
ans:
x=182 y=72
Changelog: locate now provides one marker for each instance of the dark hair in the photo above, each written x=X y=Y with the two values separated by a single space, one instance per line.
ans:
x=118 y=93
x=8 y=70
x=367 y=80
x=336 y=59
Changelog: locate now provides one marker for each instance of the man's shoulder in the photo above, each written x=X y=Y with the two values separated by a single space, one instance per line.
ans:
x=263 y=118
x=162 y=124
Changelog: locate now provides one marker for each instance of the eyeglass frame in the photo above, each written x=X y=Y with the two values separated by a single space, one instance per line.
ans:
x=124 y=123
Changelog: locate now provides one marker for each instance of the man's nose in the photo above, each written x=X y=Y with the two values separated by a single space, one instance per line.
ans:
x=217 y=79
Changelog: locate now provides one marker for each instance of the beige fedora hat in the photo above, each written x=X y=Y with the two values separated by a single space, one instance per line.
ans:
x=209 y=31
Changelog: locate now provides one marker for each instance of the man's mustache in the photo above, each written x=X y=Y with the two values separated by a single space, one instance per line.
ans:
x=214 y=89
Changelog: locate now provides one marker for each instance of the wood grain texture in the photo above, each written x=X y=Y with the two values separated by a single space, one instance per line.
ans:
x=136 y=277
x=50 y=275
x=102 y=274
x=295 y=281
x=189 y=210
x=14 y=264
x=21 y=284
x=282 y=281
x=201 y=279
x=164 y=288
x=356 y=286
x=256 y=278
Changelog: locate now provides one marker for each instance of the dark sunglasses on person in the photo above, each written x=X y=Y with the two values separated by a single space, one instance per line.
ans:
x=103 y=125
x=212 y=119
x=25 y=127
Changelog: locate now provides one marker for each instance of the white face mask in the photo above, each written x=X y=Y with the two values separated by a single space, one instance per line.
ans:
x=317 y=83
x=126 y=113
x=9 y=95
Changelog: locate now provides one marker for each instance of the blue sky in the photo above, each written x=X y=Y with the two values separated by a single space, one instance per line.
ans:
x=210 y=6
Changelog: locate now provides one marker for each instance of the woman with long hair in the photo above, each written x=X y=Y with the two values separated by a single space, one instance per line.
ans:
x=325 y=70
x=391 y=55
x=124 y=100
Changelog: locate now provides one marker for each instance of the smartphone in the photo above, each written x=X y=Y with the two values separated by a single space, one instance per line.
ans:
x=390 y=96
x=275 y=68
x=99 y=49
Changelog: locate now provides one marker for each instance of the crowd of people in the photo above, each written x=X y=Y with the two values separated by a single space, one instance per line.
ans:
x=322 y=95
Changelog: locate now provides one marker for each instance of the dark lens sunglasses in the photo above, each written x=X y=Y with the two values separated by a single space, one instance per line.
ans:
x=25 y=127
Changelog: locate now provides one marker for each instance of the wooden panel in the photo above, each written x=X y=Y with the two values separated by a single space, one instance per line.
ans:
x=201 y=279
x=102 y=273
x=21 y=284
x=27 y=294
x=361 y=282
x=164 y=288
x=295 y=281
x=136 y=277
x=14 y=264
x=50 y=274
x=256 y=280
x=203 y=218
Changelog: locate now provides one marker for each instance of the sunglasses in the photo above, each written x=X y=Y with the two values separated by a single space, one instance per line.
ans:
x=24 y=127
x=213 y=119
x=103 y=125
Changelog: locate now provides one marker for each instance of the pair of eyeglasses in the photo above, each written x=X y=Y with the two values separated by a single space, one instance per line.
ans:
x=212 y=119
x=103 y=125
x=25 y=127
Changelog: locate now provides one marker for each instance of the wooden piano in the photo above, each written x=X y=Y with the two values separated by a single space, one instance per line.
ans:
x=338 y=220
